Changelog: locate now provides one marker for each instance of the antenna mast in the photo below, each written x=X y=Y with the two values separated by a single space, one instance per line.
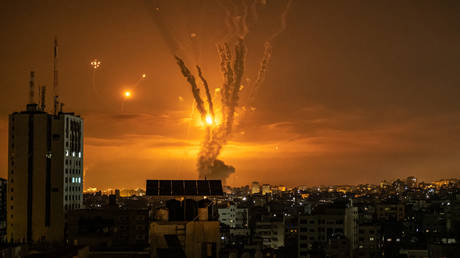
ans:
x=43 y=95
x=55 y=76
x=31 y=88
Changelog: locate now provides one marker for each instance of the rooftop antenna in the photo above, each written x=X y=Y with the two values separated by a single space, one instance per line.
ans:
x=31 y=88
x=55 y=76
x=43 y=95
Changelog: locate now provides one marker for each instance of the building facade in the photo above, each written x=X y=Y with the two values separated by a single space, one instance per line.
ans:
x=3 y=209
x=326 y=224
x=271 y=233
x=233 y=216
x=45 y=173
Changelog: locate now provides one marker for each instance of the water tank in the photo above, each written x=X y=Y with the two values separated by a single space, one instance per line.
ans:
x=161 y=214
x=203 y=214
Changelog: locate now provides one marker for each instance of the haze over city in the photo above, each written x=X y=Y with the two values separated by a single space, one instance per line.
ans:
x=356 y=91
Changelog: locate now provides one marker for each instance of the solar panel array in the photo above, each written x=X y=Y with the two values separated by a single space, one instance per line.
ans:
x=184 y=187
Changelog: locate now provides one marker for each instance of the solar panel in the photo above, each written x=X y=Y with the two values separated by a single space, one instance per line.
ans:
x=216 y=187
x=152 y=187
x=177 y=187
x=165 y=187
x=203 y=187
x=190 y=187
x=184 y=187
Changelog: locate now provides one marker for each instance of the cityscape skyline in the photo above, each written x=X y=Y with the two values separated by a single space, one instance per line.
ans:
x=230 y=129
x=360 y=106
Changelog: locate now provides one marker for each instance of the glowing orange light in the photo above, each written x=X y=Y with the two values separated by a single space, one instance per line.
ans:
x=144 y=76
x=209 y=120
x=127 y=94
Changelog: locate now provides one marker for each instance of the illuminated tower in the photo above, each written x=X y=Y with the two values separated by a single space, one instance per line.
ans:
x=45 y=170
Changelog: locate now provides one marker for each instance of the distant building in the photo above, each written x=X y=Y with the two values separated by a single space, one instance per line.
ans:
x=3 y=209
x=411 y=182
x=266 y=189
x=324 y=224
x=45 y=169
x=270 y=233
x=390 y=212
x=233 y=216
x=369 y=238
x=255 y=188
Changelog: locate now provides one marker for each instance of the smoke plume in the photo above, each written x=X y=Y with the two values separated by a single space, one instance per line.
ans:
x=216 y=137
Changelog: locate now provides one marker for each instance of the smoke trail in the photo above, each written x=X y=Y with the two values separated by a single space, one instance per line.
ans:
x=262 y=71
x=171 y=42
x=208 y=94
x=196 y=92
x=238 y=70
x=283 y=21
x=216 y=136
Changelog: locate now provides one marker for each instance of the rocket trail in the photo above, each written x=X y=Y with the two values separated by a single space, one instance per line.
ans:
x=283 y=21
x=238 y=71
x=216 y=136
x=208 y=94
x=262 y=72
x=196 y=92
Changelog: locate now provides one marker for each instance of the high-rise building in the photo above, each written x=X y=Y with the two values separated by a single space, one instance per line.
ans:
x=255 y=188
x=45 y=170
x=266 y=189
x=3 y=209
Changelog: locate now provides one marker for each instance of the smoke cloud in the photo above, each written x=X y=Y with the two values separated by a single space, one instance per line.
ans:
x=216 y=137
x=232 y=65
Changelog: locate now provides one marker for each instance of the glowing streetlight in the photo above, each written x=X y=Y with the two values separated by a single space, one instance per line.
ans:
x=127 y=94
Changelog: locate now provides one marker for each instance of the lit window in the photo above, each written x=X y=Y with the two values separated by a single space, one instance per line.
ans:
x=73 y=154
x=73 y=179
x=66 y=153
x=79 y=154
x=371 y=238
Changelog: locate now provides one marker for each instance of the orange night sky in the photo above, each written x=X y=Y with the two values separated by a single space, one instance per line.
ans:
x=357 y=91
